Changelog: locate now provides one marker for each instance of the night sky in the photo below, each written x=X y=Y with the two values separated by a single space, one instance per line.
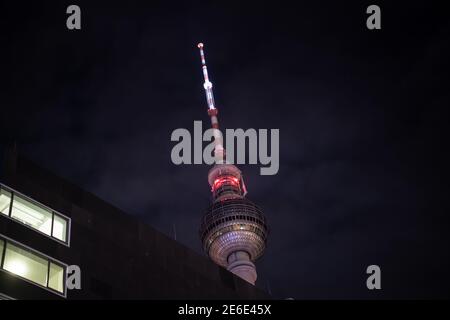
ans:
x=363 y=118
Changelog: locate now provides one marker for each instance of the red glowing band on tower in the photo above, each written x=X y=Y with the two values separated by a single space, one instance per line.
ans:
x=234 y=230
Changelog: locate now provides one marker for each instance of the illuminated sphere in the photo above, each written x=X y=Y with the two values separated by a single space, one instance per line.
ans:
x=232 y=223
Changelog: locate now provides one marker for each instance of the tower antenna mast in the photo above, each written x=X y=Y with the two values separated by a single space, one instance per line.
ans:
x=219 y=151
x=207 y=84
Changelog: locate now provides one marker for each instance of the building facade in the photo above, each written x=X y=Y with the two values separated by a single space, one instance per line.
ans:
x=49 y=226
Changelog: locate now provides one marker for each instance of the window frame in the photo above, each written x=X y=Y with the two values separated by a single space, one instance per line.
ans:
x=10 y=201
x=37 y=203
x=39 y=254
x=5 y=297
x=3 y=252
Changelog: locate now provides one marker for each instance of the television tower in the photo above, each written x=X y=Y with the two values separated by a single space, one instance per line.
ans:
x=233 y=230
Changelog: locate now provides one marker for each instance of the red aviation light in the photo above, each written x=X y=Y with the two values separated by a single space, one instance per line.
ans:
x=226 y=180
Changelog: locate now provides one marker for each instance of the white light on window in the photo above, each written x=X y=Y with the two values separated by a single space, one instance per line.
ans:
x=5 y=199
x=56 y=280
x=59 y=228
x=25 y=264
x=17 y=267
x=32 y=215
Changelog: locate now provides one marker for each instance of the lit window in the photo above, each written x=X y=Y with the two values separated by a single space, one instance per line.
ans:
x=5 y=200
x=25 y=264
x=59 y=228
x=32 y=215
x=56 y=279
x=32 y=266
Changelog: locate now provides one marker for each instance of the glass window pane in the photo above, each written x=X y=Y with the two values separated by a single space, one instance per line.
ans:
x=5 y=199
x=60 y=228
x=25 y=264
x=2 y=244
x=32 y=215
x=56 y=280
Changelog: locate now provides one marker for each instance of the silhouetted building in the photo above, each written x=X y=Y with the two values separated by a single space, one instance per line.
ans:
x=48 y=224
